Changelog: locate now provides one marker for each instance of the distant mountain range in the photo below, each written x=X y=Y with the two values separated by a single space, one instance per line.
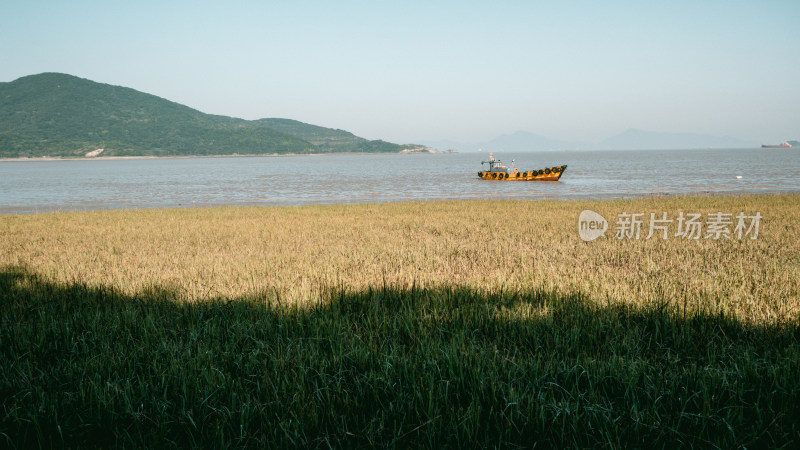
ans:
x=629 y=140
x=54 y=114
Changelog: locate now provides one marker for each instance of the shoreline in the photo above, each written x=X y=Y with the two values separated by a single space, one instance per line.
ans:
x=35 y=210
x=270 y=155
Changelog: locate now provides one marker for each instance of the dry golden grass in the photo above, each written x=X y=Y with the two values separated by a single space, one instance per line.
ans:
x=295 y=253
x=465 y=324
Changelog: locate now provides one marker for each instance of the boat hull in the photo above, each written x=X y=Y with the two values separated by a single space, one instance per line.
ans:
x=784 y=145
x=548 y=174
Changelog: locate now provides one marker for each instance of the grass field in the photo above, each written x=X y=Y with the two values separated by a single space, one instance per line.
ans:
x=488 y=324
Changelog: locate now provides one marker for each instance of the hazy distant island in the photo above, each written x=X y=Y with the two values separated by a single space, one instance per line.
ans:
x=59 y=115
x=424 y=149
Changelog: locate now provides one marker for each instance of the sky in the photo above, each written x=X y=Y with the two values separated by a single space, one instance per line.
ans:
x=410 y=71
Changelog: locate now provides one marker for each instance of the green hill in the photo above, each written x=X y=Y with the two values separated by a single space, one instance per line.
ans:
x=53 y=114
x=329 y=140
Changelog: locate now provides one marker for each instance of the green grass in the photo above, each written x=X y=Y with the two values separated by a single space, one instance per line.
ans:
x=158 y=329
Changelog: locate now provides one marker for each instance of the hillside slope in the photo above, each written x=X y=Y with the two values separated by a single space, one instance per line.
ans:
x=53 y=114
x=329 y=140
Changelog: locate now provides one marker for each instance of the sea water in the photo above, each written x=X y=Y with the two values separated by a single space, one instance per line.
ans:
x=67 y=185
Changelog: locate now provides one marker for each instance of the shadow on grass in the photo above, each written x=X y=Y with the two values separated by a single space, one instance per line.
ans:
x=87 y=366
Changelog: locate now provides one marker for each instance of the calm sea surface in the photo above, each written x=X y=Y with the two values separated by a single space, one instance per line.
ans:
x=44 y=186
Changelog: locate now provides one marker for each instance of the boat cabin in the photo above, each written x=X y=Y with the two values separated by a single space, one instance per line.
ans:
x=495 y=164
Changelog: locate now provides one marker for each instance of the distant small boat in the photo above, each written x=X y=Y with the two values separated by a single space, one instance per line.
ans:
x=501 y=173
x=784 y=145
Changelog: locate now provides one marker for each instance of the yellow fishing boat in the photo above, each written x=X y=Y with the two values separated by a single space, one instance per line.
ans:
x=499 y=172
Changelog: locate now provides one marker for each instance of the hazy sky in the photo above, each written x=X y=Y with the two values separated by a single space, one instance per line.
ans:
x=406 y=71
